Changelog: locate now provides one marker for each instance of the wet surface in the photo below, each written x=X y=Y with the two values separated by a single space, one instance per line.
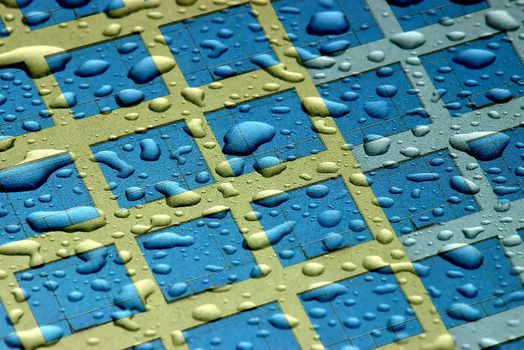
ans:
x=295 y=174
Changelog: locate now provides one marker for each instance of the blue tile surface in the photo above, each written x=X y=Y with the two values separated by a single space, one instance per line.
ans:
x=417 y=193
x=297 y=16
x=58 y=190
x=21 y=108
x=217 y=45
x=365 y=312
x=294 y=136
x=99 y=88
x=476 y=281
x=78 y=292
x=506 y=173
x=381 y=102
x=40 y=14
x=263 y=328
x=496 y=76
x=414 y=14
x=321 y=217
x=136 y=166
x=198 y=255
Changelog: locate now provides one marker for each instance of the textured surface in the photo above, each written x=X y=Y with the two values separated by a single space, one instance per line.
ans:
x=314 y=174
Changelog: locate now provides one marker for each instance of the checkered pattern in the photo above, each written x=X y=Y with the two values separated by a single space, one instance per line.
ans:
x=250 y=275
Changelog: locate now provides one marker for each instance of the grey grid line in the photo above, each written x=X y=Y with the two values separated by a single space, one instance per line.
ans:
x=494 y=221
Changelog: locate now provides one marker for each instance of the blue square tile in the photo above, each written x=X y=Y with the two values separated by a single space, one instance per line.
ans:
x=211 y=250
x=326 y=26
x=367 y=311
x=414 y=14
x=476 y=74
x=138 y=166
x=311 y=221
x=40 y=196
x=217 y=45
x=40 y=14
x=78 y=292
x=379 y=102
x=420 y=190
x=472 y=282
x=264 y=132
x=21 y=108
x=102 y=77
x=506 y=171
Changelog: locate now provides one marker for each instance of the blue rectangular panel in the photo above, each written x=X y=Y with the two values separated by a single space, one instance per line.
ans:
x=40 y=13
x=414 y=14
x=217 y=45
x=144 y=167
x=81 y=291
x=476 y=74
x=198 y=255
x=40 y=196
x=311 y=221
x=21 y=108
x=418 y=193
x=501 y=157
x=264 y=132
x=106 y=76
x=365 y=312
x=379 y=102
x=327 y=27
x=470 y=282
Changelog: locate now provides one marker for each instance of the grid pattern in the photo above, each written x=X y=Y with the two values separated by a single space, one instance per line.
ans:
x=225 y=44
x=414 y=14
x=361 y=28
x=21 y=108
x=146 y=218
x=382 y=103
x=142 y=168
x=94 y=299
x=278 y=118
x=342 y=318
x=39 y=14
x=464 y=86
x=311 y=221
x=55 y=199
x=474 y=290
x=100 y=78
x=420 y=195
x=198 y=255
x=506 y=173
